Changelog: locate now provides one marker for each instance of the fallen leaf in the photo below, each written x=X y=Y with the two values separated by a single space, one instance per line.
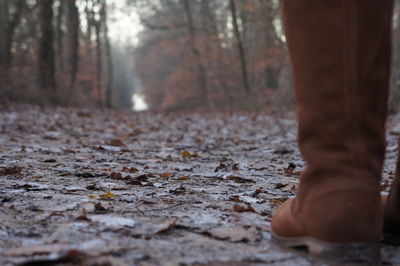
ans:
x=10 y=170
x=108 y=195
x=178 y=191
x=130 y=169
x=135 y=183
x=34 y=250
x=116 y=143
x=163 y=227
x=257 y=192
x=187 y=154
x=235 y=234
x=283 y=151
x=286 y=187
x=115 y=175
x=98 y=208
x=50 y=161
x=240 y=208
x=278 y=201
x=69 y=151
x=235 y=198
x=183 y=178
x=240 y=180
x=109 y=148
x=227 y=165
x=166 y=175
x=112 y=220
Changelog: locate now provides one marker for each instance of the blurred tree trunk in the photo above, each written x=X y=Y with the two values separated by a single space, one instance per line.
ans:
x=3 y=28
x=99 y=60
x=242 y=54
x=108 y=55
x=9 y=25
x=197 y=58
x=210 y=26
x=46 y=47
x=73 y=41
x=60 y=36
x=89 y=13
x=271 y=40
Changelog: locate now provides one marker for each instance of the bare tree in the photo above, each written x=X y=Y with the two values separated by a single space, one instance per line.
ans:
x=196 y=56
x=60 y=35
x=9 y=23
x=104 y=22
x=242 y=54
x=46 y=47
x=73 y=43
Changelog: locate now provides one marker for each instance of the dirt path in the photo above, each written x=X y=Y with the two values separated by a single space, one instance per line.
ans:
x=84 y=187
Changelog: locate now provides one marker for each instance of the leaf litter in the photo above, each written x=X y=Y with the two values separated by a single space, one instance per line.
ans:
x=108 y=187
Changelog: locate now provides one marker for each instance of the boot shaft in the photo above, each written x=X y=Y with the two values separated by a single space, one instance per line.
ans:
x=340 y=52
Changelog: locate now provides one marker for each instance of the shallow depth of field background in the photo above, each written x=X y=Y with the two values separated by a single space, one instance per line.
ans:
x=150 y=54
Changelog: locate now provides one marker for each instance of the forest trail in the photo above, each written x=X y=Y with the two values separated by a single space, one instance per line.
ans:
x=104 y=187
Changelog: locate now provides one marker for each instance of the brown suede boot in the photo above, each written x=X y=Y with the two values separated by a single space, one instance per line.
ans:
x=340 y=52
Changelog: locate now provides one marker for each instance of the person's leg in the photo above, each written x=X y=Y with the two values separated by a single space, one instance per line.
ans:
x=340 y=52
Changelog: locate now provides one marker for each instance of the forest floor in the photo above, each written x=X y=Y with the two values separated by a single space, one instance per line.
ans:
x=104 y=187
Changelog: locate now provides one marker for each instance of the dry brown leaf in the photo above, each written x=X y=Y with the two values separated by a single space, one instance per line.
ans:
x=10 y=170
x=240 y=208
x=116 y=143
x=166 y=175
x=130 y=169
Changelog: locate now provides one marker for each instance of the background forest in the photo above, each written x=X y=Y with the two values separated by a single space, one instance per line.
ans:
x=182 y=54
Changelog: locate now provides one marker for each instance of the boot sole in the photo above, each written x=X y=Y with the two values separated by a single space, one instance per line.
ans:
x=335 y=254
